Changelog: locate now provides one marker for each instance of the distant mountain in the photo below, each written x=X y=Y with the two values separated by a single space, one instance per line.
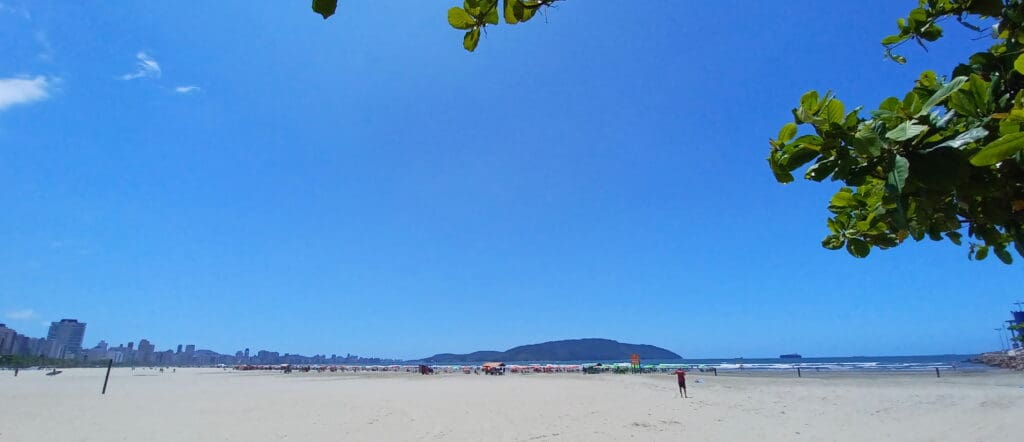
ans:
x=569 y=350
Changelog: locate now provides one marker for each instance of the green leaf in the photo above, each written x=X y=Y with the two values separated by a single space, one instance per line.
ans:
x=835 y=112
x=1004 y=255
x=867 y=142
x=1009 y=126
x=891 y=104
x=892 y=39
x=799 y=157
x=820 y=170
x=905 y=131
x=510 y=11
x=980 y=92
x=928 y=80
x=781 y=175
x=325 y=8
x=787 y=132
x=912 y=103
x=999 y=150
x=943 y=92
x=492 y=15
x=460 y=19
x=853 y=118
x=954 y=236
x=981 y=253
x=842 y=199
x=1018 y=241
x=963 y=103
x=471 y=39
x=965 y=138
x=518 y=12
x=473 y=7
x=932 y=32
x=897 y=178
x=809 y=141
x=918 y=16
x=833 y=242
x=1018 y=64
x=858 y=247
x=809 y=101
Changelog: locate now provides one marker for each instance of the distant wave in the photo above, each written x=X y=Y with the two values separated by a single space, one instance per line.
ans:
x=858 y=363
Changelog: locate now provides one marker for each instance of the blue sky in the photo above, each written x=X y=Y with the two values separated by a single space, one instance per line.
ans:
x=237 y=176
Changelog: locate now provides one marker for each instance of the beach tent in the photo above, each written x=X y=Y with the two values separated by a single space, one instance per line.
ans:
x=494 y=367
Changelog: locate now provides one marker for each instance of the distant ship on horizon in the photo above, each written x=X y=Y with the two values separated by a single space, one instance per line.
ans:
x=790 y=356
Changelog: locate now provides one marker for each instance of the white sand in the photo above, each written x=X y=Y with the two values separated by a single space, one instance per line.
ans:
x=213 y=405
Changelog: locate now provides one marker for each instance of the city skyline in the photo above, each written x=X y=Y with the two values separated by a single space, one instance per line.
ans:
x=64 y=340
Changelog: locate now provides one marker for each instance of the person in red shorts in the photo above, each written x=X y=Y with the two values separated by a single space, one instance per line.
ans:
x=681 y=376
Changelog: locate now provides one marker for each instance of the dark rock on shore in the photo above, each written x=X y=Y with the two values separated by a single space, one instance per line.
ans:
x=1001 y=359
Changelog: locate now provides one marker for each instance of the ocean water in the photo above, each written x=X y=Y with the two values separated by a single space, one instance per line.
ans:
x=854 y=363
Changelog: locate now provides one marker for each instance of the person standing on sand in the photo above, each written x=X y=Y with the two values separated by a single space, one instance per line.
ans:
x=681 y=376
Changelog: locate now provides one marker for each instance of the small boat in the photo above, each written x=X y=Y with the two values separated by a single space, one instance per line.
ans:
x=55 y=372
x=790 y=356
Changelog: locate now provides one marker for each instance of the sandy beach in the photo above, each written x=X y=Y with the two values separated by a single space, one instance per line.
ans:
x=218 y=405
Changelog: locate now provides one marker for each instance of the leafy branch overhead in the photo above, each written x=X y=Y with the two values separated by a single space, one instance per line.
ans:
x=475 y=15
x=472 y=17
x=943 y=161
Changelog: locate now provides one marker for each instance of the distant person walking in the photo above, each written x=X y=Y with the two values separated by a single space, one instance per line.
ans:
x=681 y=377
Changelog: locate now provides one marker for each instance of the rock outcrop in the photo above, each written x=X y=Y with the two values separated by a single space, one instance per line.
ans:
x=1002 y=360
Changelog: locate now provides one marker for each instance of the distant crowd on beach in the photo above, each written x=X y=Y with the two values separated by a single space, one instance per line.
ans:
x=493 y=368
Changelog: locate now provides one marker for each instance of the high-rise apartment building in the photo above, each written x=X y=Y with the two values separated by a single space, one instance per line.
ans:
x=144 y=354
x=98 y=352
x=189 y=355
x=65 y=339
x=7 y=336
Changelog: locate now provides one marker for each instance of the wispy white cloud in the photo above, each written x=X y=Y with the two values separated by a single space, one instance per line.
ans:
x=187 y=89
x=78 y=247
x=7 y=8
x=18 y=90
x=147 y=67
x=21 y=315
x=46 y=53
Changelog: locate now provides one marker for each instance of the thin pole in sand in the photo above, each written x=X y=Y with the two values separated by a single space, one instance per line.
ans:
x=107 y=378
x=715 y=369
x=999 y=331
x=798 y=373
x=937 y=372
